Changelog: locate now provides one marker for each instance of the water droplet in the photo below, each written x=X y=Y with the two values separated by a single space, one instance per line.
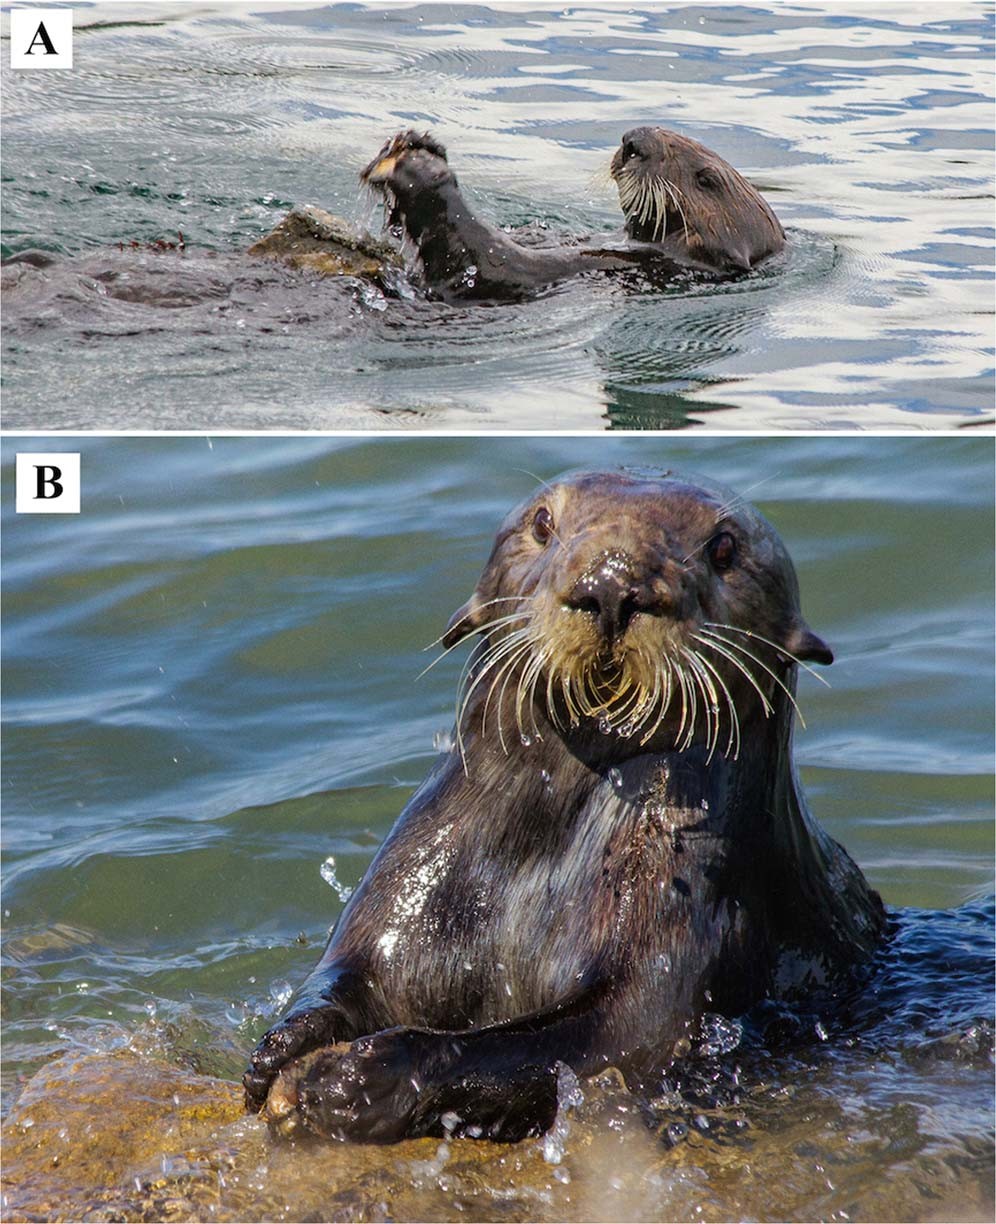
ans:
x=525 y=740
x=443 y=741
x=280 y=993
x=719 y=1035
x=821 y=1031
x=545 y=776
x=236 y=1013
x=327 y=872
x=372 y=297
x=616 y=778
x=151 y=1007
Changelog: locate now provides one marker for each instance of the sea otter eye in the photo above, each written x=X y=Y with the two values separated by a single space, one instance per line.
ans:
x=722 y=550
x=629 y=150
x=706 y=178
x=542 y=525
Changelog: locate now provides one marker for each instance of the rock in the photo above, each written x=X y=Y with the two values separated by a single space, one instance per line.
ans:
x=310 y=238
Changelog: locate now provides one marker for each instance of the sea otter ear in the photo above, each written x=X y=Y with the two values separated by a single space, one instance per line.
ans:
x=807 y=646
x=464 y=621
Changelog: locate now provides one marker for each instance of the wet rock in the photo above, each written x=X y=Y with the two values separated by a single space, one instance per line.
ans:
x=312 y=239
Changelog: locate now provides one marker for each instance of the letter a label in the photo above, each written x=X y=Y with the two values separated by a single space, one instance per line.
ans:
x=41 y=38
x=48 y=483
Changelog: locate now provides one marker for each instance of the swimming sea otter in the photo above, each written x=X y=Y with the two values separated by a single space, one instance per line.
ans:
x=617 y=842
x=685 y=207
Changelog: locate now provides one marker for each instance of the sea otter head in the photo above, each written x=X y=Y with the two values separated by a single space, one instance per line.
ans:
x=638 y=604
x=673 y=187
x=410 y=171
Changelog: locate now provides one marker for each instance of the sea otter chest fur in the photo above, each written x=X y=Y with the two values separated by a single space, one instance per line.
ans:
x=623 y=872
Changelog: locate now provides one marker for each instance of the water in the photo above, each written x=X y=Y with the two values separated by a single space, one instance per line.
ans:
x=869 y=128
x=210 y=690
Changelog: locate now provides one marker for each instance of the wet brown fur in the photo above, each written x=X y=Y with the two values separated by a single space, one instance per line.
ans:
x=567 y=888
x=674 y=189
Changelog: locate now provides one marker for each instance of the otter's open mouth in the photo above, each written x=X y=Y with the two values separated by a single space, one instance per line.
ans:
x=378 y=172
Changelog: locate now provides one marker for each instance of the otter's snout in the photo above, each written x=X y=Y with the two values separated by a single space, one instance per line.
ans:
x=611 y=591
x=639 y=142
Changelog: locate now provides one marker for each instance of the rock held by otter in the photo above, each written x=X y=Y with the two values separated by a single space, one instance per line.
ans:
x=617 y=843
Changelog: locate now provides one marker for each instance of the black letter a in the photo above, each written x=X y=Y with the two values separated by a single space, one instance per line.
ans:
x=42 y=35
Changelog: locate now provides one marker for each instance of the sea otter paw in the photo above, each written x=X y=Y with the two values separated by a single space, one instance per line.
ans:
x=366 y=1092
x=288 y=1040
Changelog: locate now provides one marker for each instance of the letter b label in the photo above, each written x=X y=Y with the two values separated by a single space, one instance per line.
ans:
x=48 y=483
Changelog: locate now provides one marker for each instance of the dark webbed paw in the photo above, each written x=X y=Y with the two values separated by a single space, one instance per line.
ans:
x=287 y=1040
x=366 y=1092
x=403 y=1083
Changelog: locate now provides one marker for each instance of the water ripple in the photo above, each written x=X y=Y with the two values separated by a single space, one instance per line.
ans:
x=870 y=132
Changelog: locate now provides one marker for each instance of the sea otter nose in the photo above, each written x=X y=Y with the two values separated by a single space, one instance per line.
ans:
x=609 y=592
x=636 y=142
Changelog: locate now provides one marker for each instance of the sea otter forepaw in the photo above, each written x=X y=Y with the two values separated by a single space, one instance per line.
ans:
x=368 y=1092
x=289 y=1039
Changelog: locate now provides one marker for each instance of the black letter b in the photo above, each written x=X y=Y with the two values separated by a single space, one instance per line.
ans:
x=43 y=480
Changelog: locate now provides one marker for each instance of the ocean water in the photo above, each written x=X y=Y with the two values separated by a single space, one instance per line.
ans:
x=868 y=127
x=213 y=713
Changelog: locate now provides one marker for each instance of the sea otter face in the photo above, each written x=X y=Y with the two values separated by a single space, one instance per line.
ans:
x=674 y=187
x=406 y=171
x=641 y=603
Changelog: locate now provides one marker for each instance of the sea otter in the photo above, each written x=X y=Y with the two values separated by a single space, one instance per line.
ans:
x=686 y=209
x=616 y=842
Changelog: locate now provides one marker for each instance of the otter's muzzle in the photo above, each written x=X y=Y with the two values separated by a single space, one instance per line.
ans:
x=610 y=591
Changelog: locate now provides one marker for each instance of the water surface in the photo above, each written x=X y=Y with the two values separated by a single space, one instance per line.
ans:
x=211 y=688
x=868 y=128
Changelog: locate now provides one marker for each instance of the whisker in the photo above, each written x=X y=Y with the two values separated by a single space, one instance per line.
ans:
x=764 y=667
x=703 y=680
x=740 y=499
x=491 y=657
x=739 y=664
x=495 y=624
x=730 y=705
x=503 y=658
x=775 y=646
